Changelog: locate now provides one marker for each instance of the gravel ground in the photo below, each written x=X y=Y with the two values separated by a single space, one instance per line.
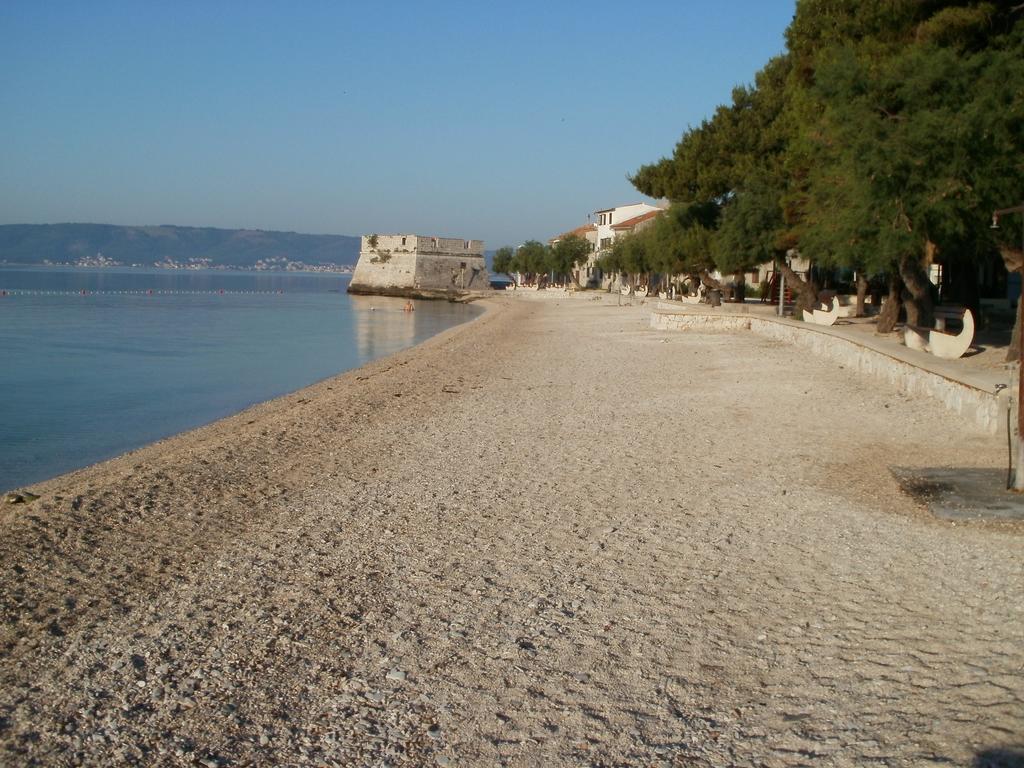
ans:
x=550 y=537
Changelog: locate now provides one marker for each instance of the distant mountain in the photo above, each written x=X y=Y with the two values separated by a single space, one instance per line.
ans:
x=106 y=244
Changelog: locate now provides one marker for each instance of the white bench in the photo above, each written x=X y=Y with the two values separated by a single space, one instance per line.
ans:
x=823 y=317
x=948 y=346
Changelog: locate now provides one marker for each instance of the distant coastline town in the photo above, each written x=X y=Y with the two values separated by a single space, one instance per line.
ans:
x=276 y=264
x=174 y=247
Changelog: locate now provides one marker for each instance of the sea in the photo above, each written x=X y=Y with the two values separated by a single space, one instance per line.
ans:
x=98 y=361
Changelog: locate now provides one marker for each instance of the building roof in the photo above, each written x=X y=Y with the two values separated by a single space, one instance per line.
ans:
x=579 y=232
x=630 y=223
x=657 y=204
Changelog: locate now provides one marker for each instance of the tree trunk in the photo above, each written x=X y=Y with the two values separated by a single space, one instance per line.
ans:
x=1013 y=351
x=692 y=284
x=806 y=290
x=1014 y=260
x=862 y=293
x=891 y=308
x=708 y=281
x=918 y=291
x=741 y=286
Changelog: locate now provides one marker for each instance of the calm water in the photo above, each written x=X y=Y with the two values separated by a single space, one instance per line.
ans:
x=144 y=354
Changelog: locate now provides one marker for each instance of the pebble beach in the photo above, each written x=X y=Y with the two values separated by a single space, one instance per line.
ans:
x=550 y=536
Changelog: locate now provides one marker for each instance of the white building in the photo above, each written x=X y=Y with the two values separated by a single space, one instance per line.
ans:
x=588 y=232
x=613 y=223
x=607 y=225
x=607 y=218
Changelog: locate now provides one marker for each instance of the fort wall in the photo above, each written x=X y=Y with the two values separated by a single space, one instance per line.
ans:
x=420 y=267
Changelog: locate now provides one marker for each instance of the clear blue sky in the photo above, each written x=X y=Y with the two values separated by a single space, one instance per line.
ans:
x=501 y=121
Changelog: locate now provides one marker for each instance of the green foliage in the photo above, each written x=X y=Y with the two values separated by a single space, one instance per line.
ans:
x=502 y=262
x=569 y=253
x=612 y=260
x=676 y=242
x=888 y=129
x=918 y=133
x=748 y=233
x=534 y=258
x=531 y=258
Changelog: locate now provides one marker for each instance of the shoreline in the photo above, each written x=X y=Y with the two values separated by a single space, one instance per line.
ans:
x=549 y=536
x=257 y=409
x=426 y=294
x=337 y=346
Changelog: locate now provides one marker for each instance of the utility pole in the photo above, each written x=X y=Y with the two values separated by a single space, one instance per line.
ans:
x=1018 y=475
x=782 y=292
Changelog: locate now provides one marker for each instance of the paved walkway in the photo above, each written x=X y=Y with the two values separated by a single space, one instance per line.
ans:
x=983 y=367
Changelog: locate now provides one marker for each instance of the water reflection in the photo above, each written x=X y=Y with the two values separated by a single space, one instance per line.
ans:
x=380 y=324
x=116 y=368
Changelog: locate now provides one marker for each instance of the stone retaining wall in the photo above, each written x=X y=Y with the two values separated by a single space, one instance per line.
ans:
x=985 y=409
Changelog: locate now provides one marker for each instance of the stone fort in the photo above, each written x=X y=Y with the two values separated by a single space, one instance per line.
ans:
x=420 y=267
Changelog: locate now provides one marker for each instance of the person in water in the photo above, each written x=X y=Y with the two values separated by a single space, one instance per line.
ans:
x=408 y=307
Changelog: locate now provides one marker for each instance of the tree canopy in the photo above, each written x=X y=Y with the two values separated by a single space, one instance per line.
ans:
x=533 y=258
x=880 y=140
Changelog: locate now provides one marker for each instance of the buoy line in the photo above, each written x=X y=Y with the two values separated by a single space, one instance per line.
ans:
x=153 y=292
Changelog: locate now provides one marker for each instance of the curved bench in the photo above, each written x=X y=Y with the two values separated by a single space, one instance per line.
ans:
x=826 y=317
x=948 y=346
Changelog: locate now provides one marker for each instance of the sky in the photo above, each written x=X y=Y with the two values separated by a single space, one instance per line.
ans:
x=494 y=121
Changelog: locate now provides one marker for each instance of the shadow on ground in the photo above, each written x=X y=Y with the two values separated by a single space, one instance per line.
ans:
x=999 y=757
x=962 y=493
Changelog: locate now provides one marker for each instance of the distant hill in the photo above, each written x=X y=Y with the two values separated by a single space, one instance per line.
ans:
x=169 y=245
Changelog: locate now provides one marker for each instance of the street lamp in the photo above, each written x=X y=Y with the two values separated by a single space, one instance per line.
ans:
x=1018 y=476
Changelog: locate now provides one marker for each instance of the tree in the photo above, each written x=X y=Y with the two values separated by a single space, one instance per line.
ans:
x=568 y=254
x=531 y=259
x=914 y=124
x=880 y=141
x=614 y=260
x=734 y=165
x=502 y=262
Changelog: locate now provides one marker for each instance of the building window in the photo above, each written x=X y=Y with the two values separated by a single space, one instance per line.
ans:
x=403 y=241
x=609 y=218
x=606 y=242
